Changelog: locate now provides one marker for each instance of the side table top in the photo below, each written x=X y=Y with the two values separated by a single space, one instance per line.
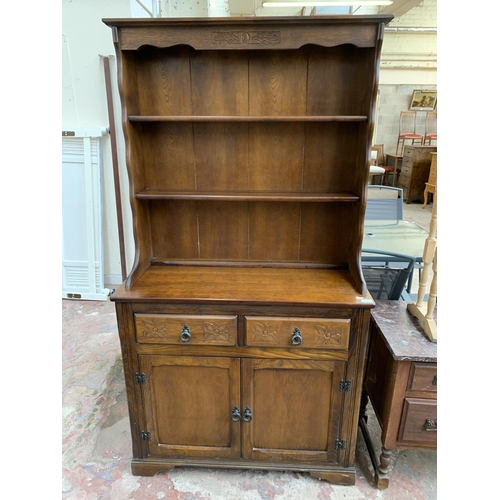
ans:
x=402 y=333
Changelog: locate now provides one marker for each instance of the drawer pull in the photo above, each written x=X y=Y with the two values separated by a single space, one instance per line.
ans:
x=185 y=334
x=235 y=414
x=431 y=425
x=296 y=337
x=247 y=414
x=435 y=380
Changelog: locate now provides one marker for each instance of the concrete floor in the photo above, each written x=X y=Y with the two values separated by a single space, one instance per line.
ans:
x=96 y=434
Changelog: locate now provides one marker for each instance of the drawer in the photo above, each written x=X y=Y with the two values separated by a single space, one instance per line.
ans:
x=404 y=180
x=185 y=329
x=432 y=178
x=419 y=421
x=406 y=170
x=408 y=151
x=318 y=333
x=407 y=162
x=423 y=377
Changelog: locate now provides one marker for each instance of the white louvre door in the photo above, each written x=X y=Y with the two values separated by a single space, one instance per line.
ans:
x=82 y=252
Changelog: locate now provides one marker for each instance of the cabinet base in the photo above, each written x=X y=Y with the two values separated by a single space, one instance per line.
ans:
x=342 y=475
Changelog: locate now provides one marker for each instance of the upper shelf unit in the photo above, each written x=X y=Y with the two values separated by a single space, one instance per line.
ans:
x=248 y=139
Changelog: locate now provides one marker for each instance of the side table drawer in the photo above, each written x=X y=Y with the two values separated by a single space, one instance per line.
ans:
x=423 y=377
x=320 y=333
x=419 y=421
x=185 y=329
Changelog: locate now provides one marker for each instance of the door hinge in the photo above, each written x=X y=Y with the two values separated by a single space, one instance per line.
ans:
x=146 y=435
x=345 y=385
x=340 y=445
x=140 y=378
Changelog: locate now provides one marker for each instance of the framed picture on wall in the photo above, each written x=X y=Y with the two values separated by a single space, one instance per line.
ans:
x=423 y=100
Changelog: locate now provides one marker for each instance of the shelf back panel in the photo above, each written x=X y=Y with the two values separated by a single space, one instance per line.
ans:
x=251 y=231
x=309 y=81
x=295 y=157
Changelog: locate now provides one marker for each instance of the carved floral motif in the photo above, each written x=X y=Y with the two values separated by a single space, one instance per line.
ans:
x=246 y=37
x=152 y=331
x=216 y=332
x=264 y=333
x=328 y=335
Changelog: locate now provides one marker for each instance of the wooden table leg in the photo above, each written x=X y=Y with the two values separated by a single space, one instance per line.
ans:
x=382 y=468
x=363 y=405
x=382 y=471
x=395 y=172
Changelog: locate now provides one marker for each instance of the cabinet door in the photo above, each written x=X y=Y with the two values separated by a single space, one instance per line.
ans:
x=296 y=408
x=188 y=403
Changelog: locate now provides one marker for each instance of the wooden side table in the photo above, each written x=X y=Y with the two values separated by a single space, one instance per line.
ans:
x=430 y=185
x=401 y=383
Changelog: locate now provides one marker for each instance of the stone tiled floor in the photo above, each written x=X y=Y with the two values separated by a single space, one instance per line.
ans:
x=96 y=434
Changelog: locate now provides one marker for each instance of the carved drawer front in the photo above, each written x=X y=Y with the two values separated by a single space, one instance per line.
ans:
x=419 y=421
x=320 y=333
x=185 y=329
x=423 y=377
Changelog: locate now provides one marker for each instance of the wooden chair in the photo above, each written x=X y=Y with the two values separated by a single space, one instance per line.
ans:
x=430 y=133
x=407 y=129
x=375 y=170
x=381 y=162
x=385 y=282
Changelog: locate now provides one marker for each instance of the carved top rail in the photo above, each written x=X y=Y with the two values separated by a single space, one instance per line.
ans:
x=247 y=33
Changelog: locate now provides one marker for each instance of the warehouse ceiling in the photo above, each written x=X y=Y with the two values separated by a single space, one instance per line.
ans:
x=250 y=7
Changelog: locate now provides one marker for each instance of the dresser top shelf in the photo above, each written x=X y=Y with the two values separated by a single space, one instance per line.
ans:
x=245 y=285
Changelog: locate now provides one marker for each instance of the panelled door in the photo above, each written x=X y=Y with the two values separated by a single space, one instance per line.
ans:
x=194 y=408
x=295 y=408
x=189 y=403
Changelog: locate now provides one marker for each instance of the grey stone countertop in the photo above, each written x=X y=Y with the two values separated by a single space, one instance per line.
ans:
x=403 y=333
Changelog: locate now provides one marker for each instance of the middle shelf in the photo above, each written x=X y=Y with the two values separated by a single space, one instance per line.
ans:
x=321 y=197
x=217 y=118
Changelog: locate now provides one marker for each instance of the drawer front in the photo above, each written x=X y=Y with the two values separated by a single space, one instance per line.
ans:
x=419 y=421
x=316 y=333
x=406 y=170
x=185 y=329
x=423 y=377
x=407 y=162
x=409 y=151
x=404 y=181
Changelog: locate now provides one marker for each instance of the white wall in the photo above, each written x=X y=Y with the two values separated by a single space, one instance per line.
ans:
x=85 y=39
x=408 y=61
x=410 y=57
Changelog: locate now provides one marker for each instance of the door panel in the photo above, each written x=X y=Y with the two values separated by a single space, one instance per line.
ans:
x=188 y=404
x=296 y=409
